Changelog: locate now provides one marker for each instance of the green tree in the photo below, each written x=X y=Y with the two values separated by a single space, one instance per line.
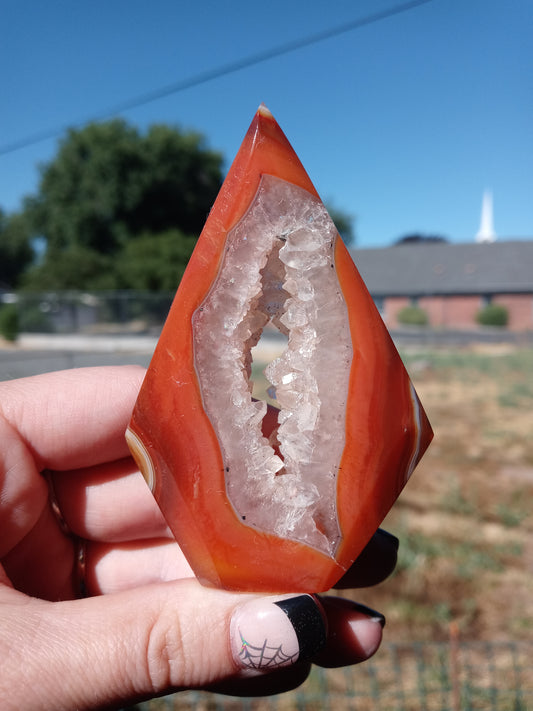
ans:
x=76 y=267
x=155 y=262
x=110 y=185
x=181 y=182
x=344 y=223
x=16 y=252
x=89 y=188
x=420 y=238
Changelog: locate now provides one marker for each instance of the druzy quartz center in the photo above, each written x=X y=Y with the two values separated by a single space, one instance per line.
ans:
x=278 y=266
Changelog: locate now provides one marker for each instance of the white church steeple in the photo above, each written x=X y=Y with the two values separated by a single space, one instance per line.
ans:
x=486 y=227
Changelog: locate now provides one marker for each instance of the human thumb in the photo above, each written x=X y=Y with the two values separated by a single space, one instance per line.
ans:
x=103 y=651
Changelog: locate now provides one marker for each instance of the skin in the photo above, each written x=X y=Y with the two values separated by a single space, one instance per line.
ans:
x=147 y=627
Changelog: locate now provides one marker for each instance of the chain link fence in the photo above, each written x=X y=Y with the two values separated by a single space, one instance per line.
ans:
x=90 y=312
x=119 y=312
x=490 y=676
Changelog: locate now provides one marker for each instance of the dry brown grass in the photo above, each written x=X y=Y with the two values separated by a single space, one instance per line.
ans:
x=464 y=521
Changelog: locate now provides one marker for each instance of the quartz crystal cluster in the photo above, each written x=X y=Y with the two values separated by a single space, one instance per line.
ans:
x=278 y=266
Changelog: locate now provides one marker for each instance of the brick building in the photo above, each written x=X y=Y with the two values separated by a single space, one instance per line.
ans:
x=451 y=282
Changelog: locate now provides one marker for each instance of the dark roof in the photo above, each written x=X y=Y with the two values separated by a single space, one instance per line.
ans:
x=430 y=269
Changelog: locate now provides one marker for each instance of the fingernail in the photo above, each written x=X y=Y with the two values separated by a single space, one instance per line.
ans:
x=367 y=627
x=270 y=633
x=372 y=615
x=389 y=537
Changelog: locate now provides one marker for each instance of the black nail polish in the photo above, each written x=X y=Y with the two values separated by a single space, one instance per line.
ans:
x=369 y=612
x=308 y=622
x=389 y=537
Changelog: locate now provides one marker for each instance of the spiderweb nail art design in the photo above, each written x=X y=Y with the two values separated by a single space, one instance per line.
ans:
x=264 y=656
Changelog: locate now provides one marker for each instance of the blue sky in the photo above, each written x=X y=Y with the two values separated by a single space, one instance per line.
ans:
x=402 y=123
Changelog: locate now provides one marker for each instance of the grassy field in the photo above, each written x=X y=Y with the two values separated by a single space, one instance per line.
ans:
x=466 y=554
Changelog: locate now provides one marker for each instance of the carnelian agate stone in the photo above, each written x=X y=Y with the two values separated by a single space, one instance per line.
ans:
x=277 y=502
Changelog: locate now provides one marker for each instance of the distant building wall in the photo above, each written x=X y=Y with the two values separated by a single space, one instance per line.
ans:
x=451 y=311
x=461 y=311
x=461 y=279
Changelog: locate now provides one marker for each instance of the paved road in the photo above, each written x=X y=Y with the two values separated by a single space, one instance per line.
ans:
x=36 y=354
x=19 y=364
x=449 y=339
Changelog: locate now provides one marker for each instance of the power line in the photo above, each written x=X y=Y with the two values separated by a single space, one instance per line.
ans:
x=217 y=73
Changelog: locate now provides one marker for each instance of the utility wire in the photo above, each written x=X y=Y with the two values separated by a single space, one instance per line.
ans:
x=210 y=74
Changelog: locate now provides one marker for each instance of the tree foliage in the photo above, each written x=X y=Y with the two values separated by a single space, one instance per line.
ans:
x=117 y=208
x=155 y=262
x=412 y=315
x=9 y=322
x=344 y=222
x=111 y=185
x=420 y=238
x=75 y=267
x=16 y=253
x=493 y=315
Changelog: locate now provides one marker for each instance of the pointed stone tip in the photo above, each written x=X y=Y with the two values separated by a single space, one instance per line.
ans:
x=266 y=113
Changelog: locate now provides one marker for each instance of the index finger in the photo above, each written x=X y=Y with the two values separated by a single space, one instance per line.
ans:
x=73 y=418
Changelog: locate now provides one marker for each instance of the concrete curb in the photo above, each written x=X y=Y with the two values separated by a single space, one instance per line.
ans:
x=79 y=342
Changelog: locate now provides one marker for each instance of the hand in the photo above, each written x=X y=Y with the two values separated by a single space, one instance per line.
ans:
x=156 y=629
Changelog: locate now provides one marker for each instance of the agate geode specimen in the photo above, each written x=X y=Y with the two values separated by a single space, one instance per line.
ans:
x=274 y=499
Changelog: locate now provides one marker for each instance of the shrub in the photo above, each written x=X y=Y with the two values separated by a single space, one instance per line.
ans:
x=33 y=320
x=493 y=315
x=9 y=322
x=412 y=316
